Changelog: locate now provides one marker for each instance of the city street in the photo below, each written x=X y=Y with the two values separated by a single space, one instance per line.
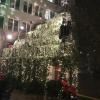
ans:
x=49 y=49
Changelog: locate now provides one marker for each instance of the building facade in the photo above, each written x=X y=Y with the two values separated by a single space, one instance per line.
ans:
x=26 y=13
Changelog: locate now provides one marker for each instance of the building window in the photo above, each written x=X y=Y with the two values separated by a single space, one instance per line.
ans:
x=36 y=10
x=47 y=14
x=12 y=4
x=15 y=25
x=30 y=8
x=51 y=0
x=2 y=1
x=1 y=22
x=41 y=12
x=25 y=6
x=64 y=3
x=17 y=4
x=52 y=14
x=10 y=24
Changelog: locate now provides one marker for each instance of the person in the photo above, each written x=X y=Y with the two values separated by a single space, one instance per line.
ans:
x=62 y=29
x=65 y=29
x=72 y=91
x=65 y=86
x=68 y=27
x=68 y=90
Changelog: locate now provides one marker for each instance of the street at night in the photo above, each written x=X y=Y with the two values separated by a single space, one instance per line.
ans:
x=49 y=50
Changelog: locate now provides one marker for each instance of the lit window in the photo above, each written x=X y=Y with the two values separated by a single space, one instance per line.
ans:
x=25 y=6
x=50 y=0
x=15 y=25
x=1 y=22
x=30 y=8
x=10 y=24
x=47 y=14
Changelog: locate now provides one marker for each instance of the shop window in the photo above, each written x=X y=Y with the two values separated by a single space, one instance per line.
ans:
x=30 y=8
x=15 y=25
x=17 y=5
x=2 y=1
x=10 y=24
x=1 y=22
x=25 y=6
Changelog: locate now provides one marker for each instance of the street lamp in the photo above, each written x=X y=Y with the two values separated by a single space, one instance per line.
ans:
x=21 y=28
x=9 y=37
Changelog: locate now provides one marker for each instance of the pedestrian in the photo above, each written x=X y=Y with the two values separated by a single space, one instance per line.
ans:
x=65 y=92
x=65 y=30
x=73 y=92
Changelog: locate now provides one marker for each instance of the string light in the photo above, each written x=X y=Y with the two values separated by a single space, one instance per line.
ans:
x=38 y=50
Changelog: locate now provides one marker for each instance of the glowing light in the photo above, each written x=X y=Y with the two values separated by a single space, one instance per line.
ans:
x=22 y=27
x=9 y=37
x=35 y=4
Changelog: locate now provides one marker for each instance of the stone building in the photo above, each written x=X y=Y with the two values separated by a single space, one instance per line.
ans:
x=27 y=13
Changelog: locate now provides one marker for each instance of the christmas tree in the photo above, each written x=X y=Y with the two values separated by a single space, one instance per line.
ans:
x=29 y=57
